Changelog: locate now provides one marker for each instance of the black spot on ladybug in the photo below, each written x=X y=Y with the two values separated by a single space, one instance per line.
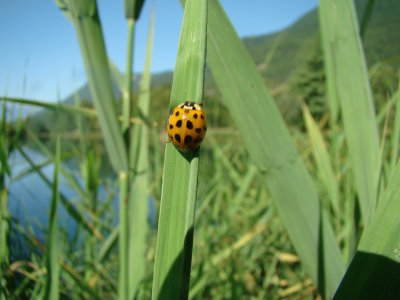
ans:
x=179 y=123
x=198 y=140
x=171 y=126
x=189 y=125
x=178 y=138
x=202 y=116
x=205 y=128
x=188 y=139
x=193 y=108
x=177 y=113
x=195 y=116
x=198 y=130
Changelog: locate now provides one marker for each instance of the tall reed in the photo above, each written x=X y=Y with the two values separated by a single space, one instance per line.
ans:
x=139 y=164
x=180 y=174
x=4 y=212
x=52 y=241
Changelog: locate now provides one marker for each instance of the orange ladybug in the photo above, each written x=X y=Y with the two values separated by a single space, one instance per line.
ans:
x=187 y=125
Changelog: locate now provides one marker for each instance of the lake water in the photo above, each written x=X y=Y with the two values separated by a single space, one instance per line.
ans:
x=30 y=196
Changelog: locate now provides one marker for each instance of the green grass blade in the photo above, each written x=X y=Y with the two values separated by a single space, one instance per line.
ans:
x=374 y=272
x=179 y=188
x=53 y=106
x=80 y=124
x=61 y=107
x=117 y=76
x=4 y=212
x=395 y=140
x=52 y=255
x=90 y=171
x=270 y=145
x=85 y=18
x=4 y=230
x=108 y=245
x=329 y=65
x=343 y=50
x=80 y=282
x=127 y=91
x=4 y=150
x=366 y=17
x=140 y=186
x=5 y=218
x=123 y=285
x=133 y=8
x=321 y=157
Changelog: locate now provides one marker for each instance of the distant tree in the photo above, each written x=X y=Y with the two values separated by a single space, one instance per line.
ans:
x=309 y=81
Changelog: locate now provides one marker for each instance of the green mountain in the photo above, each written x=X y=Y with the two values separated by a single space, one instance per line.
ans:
x=278 y=54
x=382 y=36
x=290 y=48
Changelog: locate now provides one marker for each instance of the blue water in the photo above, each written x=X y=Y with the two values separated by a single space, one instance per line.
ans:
x=30 y=196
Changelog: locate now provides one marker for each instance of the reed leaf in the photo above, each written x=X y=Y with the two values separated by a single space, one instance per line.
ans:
x=52 y=255
x=127 y=89
x=53 y=106
x=133 y=8
x=366 y=17
x=108 y=245
x=329 y=65
x=117 y=76
x=374 y=272
x=140 y=171
x=322 y=160
x=123 y=285
x=85 y=18
x=180 y=175
x=5 y=216
x=395 y=138
x=343 y=50
x=270 y=146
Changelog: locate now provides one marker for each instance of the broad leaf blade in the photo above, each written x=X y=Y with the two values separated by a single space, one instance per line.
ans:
x=374 y=272
x=179 y=189
x=343 y=50
x=270 y=145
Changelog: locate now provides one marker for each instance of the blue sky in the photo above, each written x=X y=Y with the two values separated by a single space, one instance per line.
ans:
x=40 y=56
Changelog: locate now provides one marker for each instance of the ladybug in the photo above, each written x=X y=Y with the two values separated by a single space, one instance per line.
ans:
x=187 y=125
